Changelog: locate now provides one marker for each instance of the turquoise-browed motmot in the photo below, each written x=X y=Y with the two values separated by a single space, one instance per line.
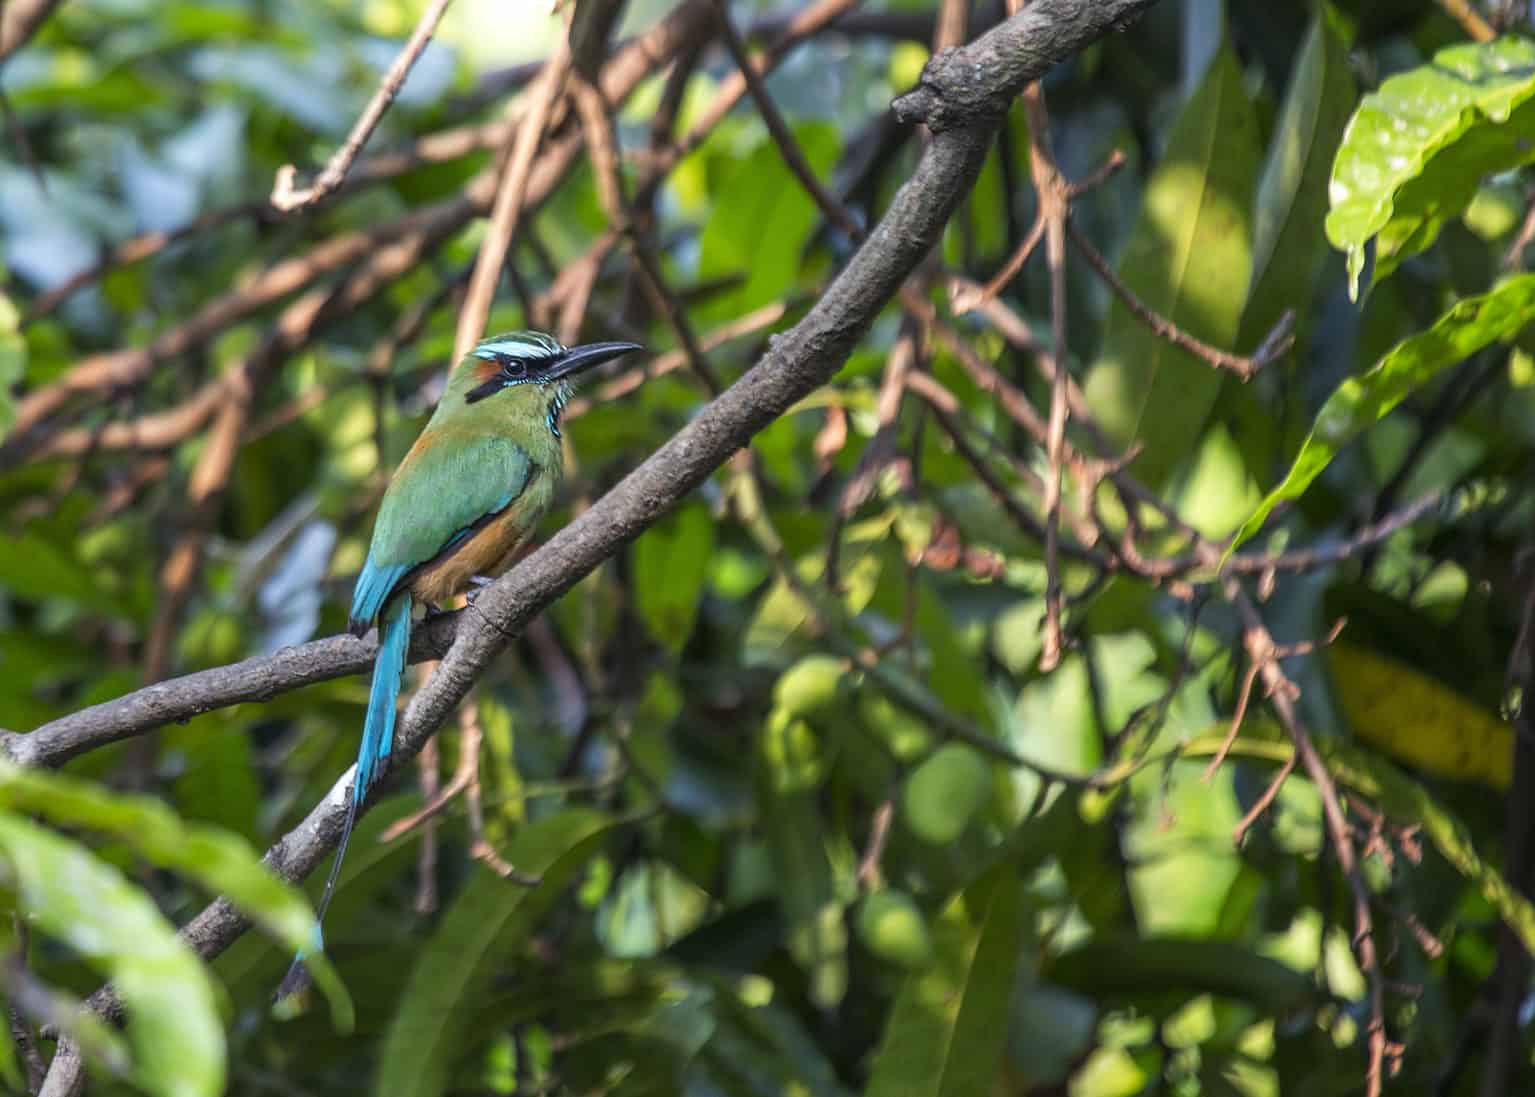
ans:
x=463 y=501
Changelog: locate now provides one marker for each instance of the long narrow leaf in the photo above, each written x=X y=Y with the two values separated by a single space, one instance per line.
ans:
x=1467 y=327
x=75 y=897
x=489 y=918
x=216 y=859
x=946 y=1031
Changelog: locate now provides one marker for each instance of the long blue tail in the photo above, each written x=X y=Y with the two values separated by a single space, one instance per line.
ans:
x=377 y=742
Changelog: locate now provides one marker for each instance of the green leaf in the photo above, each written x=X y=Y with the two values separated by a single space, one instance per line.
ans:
x=892 y=928
x=1292 y=193
x=1417 y=149
x=1153 y=966
x=945 y=792
x=217 y=782
x=73 y=896
x=489 y=918
x=39 y=568
x=1360 y=401
x=760 y=222
x=947 y=1027
x=13 y=361
x=218 y=860
x=1189 y=258
x=671 y=563
x=806 y=888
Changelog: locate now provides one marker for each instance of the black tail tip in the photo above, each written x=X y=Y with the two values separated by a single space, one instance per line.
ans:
x=293 y=993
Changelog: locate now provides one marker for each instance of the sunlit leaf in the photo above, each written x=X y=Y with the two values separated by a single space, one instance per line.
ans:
x=1188 y=258
x=671 y=563
x=13 y=361
x=945 y=792
x=1418 y=147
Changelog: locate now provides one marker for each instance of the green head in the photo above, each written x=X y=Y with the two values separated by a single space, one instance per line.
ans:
x=525 y=372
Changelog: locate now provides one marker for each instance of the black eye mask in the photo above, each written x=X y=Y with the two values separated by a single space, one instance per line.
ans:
x=513 y=371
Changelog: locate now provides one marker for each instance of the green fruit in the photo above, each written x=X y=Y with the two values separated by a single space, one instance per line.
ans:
x=893 y=929
x=810 y=685
x=945 y=792
x=905 y=735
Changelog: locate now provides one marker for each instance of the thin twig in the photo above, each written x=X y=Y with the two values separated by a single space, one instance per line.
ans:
x=1274 y=345
x=19 y=21
x=778 y=129
x=868 y=874
x=1054 y=209
x=879 y=451
x=435 y=148
x=288 y=198
x=1470 y=20
x=427 y=766
x=972 y=297
x=1262 y=803
x=507 y=211
x=1513 y=258
x=1260 y=646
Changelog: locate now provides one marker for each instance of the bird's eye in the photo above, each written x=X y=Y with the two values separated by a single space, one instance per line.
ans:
x=515 y=369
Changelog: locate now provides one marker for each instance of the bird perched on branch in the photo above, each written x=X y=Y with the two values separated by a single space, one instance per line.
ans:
x=464 y=500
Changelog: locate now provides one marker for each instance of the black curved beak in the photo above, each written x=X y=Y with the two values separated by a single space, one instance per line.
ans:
x=580 y=359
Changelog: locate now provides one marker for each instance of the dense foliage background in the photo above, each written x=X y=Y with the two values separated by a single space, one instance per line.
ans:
x=890 y=760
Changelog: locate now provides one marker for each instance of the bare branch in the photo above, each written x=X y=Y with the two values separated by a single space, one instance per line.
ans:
x=287 y=197
x=1470 y=20
x=19 y=21
x=510 y=197
x=1273 y=346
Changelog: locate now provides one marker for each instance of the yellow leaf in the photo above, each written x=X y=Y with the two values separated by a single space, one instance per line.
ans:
x=1416 y=720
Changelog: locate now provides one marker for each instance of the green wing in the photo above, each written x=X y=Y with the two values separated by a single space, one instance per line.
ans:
x=438 y=495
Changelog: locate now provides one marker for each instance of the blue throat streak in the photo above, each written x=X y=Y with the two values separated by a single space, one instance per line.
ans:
x=377 y=740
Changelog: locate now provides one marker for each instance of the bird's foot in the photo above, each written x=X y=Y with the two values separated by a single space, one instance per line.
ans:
x=477 y=583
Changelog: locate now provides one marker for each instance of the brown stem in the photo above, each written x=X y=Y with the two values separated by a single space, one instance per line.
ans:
x=1244 y=366
x=288 y=198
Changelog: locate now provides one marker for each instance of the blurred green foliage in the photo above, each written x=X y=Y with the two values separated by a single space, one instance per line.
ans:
x=765 y=759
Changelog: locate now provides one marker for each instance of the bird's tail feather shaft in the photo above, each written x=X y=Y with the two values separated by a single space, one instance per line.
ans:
x=377 y=741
